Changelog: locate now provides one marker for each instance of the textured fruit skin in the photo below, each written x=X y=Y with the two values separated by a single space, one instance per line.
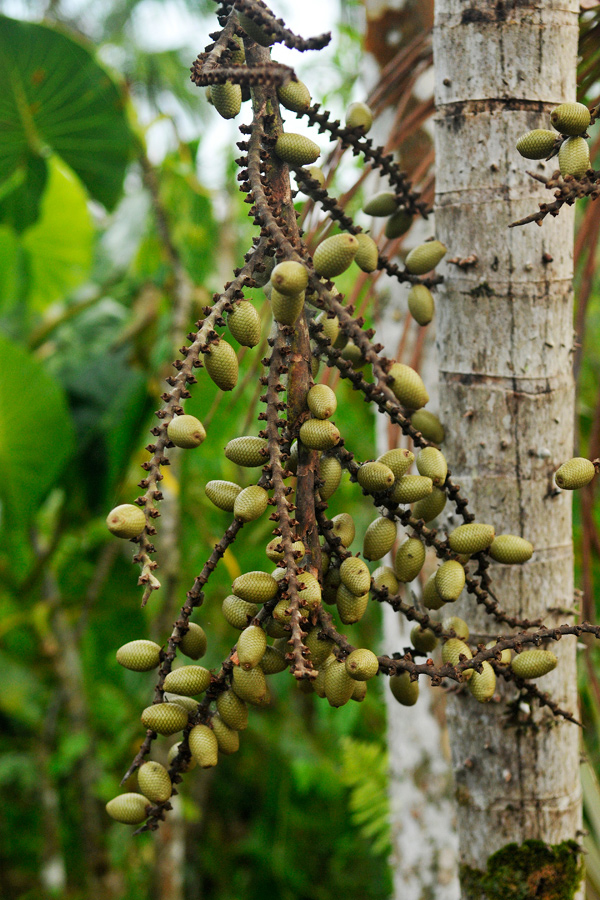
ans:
x=188 y=680
x=472 y=538
x=236 y=611
x=510 y=549
x=289 y=277
x=450 y=580
x=375 y=477
x=409 y=560
x=411 y=488
x=458 y=625
x=297 y=149
x=193 y=643
x=570 y=118
x=425 y=257
x=203 y=746
x=139 y=656
x=126 y=521
x=273 y=661
x=334 y=254
x=367 y=255
x=294 y=95
x=483 y=685
x=226 y=99
x=154 y=782
x=251 y=646
x=362 y=664
x=187 y=703
x=408 y=386
x=574 y=157
x=165 y=718
x=533 y=663
x=351 y=608
x=344 y=528
x=246 y=451
x=423 y=639
x=321 y=401
x=331 y=326
x=186 y=431
x=379 y=538
x=355 y=574
x=384 y=576
x=330 y=470
x=420 y=304
x=432 y=463
x=310 y=589
x=319 y=682
x=359 y=115
x=383 y=203
x=250 y=685
x=222 y=494
x=399 y=461
x=233 y=710
x=398 y=224
x=319 y=434
x=130 y=809
x=228 y=740
x=536 y=144
x=359 y=692
x=286 y=308
x=431 y=506
x=255 y=587
x=404 y=690
x=353 y=354
x=429 y=425
x=319 y=649
x=277 y=555
x=244 y=324
x=317 y=174
x=250 y=503
x=505 y=655
x=254 y=31
x=431 y=597
x=338 y=684
x=453 y=650
x=222 y=365
x=575 y=473
x=173 y=752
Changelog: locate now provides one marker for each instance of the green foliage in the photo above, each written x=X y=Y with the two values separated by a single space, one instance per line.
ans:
x=530 y=869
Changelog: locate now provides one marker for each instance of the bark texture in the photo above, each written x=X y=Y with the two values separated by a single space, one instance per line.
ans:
x=506 y=391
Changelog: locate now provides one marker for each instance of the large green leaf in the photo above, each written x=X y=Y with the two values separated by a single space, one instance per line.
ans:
x=56 y=97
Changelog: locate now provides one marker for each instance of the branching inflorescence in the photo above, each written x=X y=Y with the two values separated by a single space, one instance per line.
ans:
x=302 y=455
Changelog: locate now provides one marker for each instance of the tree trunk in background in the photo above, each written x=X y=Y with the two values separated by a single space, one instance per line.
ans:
x=506 y=394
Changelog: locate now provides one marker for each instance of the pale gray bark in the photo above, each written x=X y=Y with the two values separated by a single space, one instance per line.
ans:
x=506 y=390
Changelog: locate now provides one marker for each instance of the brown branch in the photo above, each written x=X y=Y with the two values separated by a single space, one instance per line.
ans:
x=566 y=189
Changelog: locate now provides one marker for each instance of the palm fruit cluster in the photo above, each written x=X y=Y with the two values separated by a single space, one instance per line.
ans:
x=571 y=121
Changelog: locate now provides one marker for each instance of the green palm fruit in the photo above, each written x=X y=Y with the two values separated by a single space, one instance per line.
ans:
x=310 y=589
x=279 y=573
x=289 y=277
x=317 y=174
x=203 y=746
x=411 y=488
x=375 y=477
x=382 y=204
x=255 y=587
x=453 y=650
x=237 y=57
x=359 y=691
x=294 y=95
x=126 y=521
x=398 y=460
x=423 y=639
x=367 y=255
x=226 y=99
x=250 y=503
x=344 y=528
x=286 y=308
x=457 y=625
x=334 y=254
x=341 y=340
x=359 y=115
x=130 y=809
x=338 y=684
x=380 y=537
x=331 y=326
x=420 y=304
x=536 y=144
x=228 y=740
x=505 y=655
x=450 y=580
x=330 y=470
x=429 y=425
x=188 y=703
x=193 y=643
x=319 y=645
x=244 y=324
x=398 y=224
x=250 y=685
x=222 y=365
x=510 y=549
x=573 y=474
x=384 y=576
x=319 y=682
x=325 y=560
x=297 y=149
x=247 y=451
x=570 y=118
x=254 y=31
x=408 y=386
x=315 y=365
x=275 y=549
x=139 y=656
x=281 y=614
x=236 y=611
x=186 y=431
x=574 y=157
x=292 y=462
x=233 y=710
x=222 y=494
x=351 y=608
x=425 y=257
x=431 y=506
x=273 y=661
x=319 y=434
x=251 y=646
x=331 y=583
x=431 y=597
x=472 y=538
x=321 y=401
x=174 y=751
x=355 y=574
x=188 y=680
x=353 y=354
x=432 y=463
x=273 y=628
x=154 y=782
x=533 y=663
x=404 y=690
x=165 y=718
x=362 y=664
x=409 y=560
x=483 y=685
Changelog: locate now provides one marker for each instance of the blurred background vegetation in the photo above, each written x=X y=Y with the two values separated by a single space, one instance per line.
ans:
x=119 y=216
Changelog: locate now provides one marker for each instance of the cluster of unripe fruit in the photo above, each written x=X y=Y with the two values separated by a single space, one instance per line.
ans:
x=571 y=121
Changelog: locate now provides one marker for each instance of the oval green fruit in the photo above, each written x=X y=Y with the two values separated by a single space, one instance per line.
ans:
x=129 y=809
x=186 y=432
x=533 y=663
x=536 y=144
x=126 y=521
x=154 y=782
x=165 y=718
x=289 y=277
x=222 y=365
x=450 y=580
x=429 y=425
x=226 y=99
x=471 y=538
x=193 y=643
x=139 y=656
x=222 y=494
x=250 y=503
x=362 y=664
x=432 y=463
x=380 y=537
x=409 y=560
x=420 y=304
x=510 y=549
x=407 y=385
x=383 y=203
x=359 y=116
x=255 y=587
x=367 y=255
x=319 y=434
x=321 y=401
x=575 y=473
x=334 y=254
x=248 y=451
x=244 y=324
x=203 y=746
x=187 y=680
x=236 y=611
x=404 y=690
x=297 y=149
x=571 y=118
x=574 y=157
x=295 y=96
x=425 y=257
